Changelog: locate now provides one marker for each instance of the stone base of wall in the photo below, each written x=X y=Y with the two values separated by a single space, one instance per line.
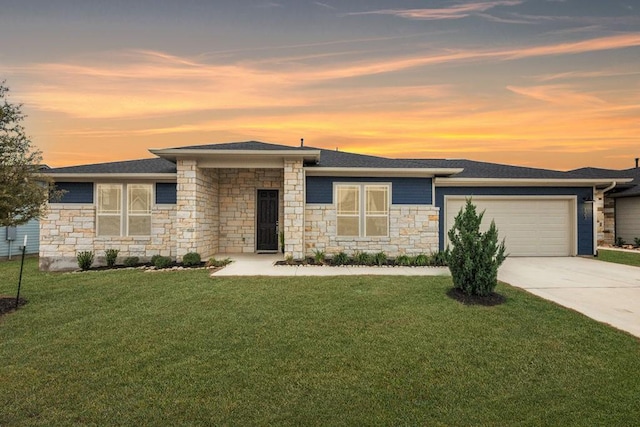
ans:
x=413 y=229
x=68 y=229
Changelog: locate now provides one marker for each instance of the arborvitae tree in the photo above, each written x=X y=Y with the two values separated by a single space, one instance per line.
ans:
x=23 y=191
x=474 y=257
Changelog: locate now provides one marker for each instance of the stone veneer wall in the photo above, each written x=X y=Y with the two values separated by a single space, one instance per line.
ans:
x=70 y=228
x=606 y=219
x=237 y=190
x=413 y=229
x=207 y=212
x=294 y=211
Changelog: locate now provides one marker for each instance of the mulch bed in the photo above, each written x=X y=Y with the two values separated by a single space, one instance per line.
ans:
x=8 y=304
x=487 y=301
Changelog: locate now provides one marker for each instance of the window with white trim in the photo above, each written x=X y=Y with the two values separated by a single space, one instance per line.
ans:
x=132 y=220
x=362 y=210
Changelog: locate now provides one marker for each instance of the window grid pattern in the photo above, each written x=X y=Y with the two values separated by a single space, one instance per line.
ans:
x=362 y=210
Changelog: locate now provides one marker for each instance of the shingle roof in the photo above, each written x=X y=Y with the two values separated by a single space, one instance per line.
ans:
x=622 y=189
x=150 y=166
x=246 y=145
x=341 y=159
x=475 y=169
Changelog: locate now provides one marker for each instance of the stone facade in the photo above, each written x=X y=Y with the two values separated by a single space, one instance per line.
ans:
x=237 y=191
x=605 y=219
x=294 y=210
x=413 y=229
x=70 y=228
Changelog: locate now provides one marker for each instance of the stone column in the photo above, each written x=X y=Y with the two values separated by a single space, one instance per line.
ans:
x=293 y=208
x=186 y=208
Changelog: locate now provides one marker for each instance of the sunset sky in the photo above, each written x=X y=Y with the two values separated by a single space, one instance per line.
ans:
x=543 y=83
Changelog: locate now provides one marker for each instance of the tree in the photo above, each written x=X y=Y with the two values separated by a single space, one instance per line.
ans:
x=23 y=190
x=475 y=256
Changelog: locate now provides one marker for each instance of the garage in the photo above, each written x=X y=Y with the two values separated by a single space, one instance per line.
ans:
x=532 y=226
x=628 y=218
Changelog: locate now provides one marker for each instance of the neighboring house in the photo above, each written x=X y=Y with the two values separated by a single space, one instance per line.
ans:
x=238 y=198
x=619 y=207
x=11 y=241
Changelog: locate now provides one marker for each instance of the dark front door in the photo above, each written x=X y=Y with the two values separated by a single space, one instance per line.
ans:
x=267 y=234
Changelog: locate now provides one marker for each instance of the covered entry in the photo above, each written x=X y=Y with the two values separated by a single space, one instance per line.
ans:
x=532 y=226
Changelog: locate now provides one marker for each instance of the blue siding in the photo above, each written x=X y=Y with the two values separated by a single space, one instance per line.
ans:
x=31 y=229
x=166 y=193
x=404 y=191
x=75 y=192
x=585 y=221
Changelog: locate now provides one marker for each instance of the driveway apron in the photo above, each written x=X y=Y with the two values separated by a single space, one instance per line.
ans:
x=604 y=291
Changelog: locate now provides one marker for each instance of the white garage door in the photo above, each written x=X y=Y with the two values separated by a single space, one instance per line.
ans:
x=531 y=226
x=628 y=218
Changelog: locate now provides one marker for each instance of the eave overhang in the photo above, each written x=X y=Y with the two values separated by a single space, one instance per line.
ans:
x=77 y=177
x=237 y=158
x=528 y=182
x=381 y=172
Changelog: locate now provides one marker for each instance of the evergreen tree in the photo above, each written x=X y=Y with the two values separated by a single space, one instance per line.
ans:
x=475 y=257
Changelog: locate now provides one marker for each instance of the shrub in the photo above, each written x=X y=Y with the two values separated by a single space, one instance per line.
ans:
x=289 y=259
x=636 y=240
x=380 y=258
x=161 y=261
x=281 y=235
x=438 y=259
x=131 y=261
x=110 y=255
x=319 y=256
x=620 y=241
x=475 y=256
x=421 y=260
x=341 y=258
x=218 y=262
x=363 y=258
x=85 y=259
x=403 y=260
x=191 y=259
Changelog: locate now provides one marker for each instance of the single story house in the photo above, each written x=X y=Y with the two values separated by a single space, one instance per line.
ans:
x=619 y=207
x=253 y=197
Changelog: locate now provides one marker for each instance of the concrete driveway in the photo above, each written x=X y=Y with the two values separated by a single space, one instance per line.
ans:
x=604 y=291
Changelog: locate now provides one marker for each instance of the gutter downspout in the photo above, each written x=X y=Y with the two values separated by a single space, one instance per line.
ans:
x=595 y=226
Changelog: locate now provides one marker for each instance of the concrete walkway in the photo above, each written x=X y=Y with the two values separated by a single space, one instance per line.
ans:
x=264 y=265
x=604 y=291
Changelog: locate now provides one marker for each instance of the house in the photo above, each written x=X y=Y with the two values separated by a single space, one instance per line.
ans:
x=249 y=197
x=619 y=206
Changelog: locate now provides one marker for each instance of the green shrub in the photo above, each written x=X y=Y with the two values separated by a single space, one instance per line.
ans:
x=111 y=255
x=438 y=259
x=620 y=241
x=161 y=261
x=319 y=256
x=636 y=240
x=403 y=260
x=421 y=260
x=475 y=256
x=85 y=259
x=363 y=258
x=191 y=259
x=341 y=258
x=380 y=258
x=218 y=262
x=131 y=261
x=289 y=259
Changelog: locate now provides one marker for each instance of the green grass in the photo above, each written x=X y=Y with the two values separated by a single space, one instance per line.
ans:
x=135 y=348
x=619 y=257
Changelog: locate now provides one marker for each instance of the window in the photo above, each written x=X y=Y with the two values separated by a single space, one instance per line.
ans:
x=111 y=217
x=366 y=216
x=139 y=210
x=109 y=209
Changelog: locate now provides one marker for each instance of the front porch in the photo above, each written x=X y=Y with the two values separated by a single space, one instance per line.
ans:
x=239 y=210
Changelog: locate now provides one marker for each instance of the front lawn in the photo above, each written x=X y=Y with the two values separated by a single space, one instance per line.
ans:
x=619 y=257
x=135 y=348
